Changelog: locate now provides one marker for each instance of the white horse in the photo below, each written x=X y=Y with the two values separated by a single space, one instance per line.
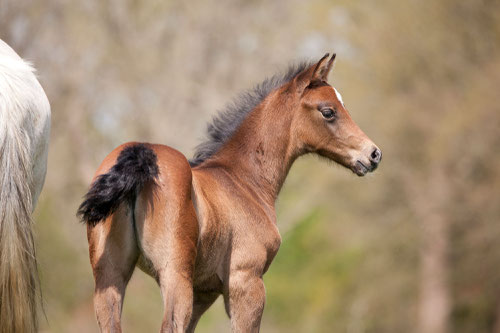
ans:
x=24 y=138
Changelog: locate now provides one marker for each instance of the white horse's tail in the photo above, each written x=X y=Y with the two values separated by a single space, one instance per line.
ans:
x=24 y=130
x=18 y=269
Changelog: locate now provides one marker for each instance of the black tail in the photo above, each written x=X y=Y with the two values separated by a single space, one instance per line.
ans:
x=136 y=165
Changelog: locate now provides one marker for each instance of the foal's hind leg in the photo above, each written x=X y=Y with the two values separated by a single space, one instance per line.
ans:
x=167 y=229
x=113 y=255
x=168 y=233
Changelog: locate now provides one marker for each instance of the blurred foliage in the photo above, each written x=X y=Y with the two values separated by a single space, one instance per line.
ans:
x=421 y=79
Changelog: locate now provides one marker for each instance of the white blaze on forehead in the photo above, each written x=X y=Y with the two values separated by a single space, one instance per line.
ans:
x=339 y=97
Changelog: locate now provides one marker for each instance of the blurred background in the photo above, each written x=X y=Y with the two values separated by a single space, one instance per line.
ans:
x=413 y=247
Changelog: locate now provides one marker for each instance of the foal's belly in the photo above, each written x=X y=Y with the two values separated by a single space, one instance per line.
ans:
x=206 y=279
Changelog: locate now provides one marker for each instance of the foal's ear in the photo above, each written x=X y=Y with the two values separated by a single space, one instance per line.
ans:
x=317 y=72
x=323 y=68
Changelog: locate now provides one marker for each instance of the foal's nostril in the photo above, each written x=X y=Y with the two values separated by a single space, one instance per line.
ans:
x=376 y=156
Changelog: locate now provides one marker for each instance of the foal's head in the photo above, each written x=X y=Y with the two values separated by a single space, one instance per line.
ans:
x=321 y=123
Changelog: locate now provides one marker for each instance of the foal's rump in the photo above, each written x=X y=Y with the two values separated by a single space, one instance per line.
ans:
x=127 y=170
x=149 y=187
x=134 y=165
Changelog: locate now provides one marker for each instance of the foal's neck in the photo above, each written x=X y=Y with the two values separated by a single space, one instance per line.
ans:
x=261 y=151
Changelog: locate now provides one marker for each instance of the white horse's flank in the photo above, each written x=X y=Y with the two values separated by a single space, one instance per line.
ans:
x=24 y=137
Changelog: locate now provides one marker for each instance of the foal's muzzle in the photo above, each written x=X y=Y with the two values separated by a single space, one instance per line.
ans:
x=361 y=168
x=375 y=158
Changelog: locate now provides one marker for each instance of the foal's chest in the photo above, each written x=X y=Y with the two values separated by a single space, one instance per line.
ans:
x=235 y=228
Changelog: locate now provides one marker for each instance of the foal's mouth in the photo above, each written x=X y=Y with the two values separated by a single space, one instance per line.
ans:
x=361 y=169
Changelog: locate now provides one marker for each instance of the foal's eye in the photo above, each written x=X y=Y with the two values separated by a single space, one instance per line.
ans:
x=328 y=113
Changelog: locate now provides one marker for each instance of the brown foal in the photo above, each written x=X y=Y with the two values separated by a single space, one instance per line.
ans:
x=207 y=227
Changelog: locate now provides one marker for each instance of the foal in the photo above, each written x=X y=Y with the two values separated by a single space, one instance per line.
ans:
x=207 y=227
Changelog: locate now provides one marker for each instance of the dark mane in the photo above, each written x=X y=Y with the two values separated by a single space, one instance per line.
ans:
x=227 y=121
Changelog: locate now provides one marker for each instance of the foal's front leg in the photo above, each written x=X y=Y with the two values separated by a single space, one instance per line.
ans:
x=245 y=296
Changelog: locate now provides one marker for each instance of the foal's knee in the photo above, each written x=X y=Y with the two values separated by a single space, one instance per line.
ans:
x=245 y=299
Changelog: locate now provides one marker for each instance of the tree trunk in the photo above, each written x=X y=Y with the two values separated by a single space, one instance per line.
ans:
x=429 y=203
x=434 y=298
